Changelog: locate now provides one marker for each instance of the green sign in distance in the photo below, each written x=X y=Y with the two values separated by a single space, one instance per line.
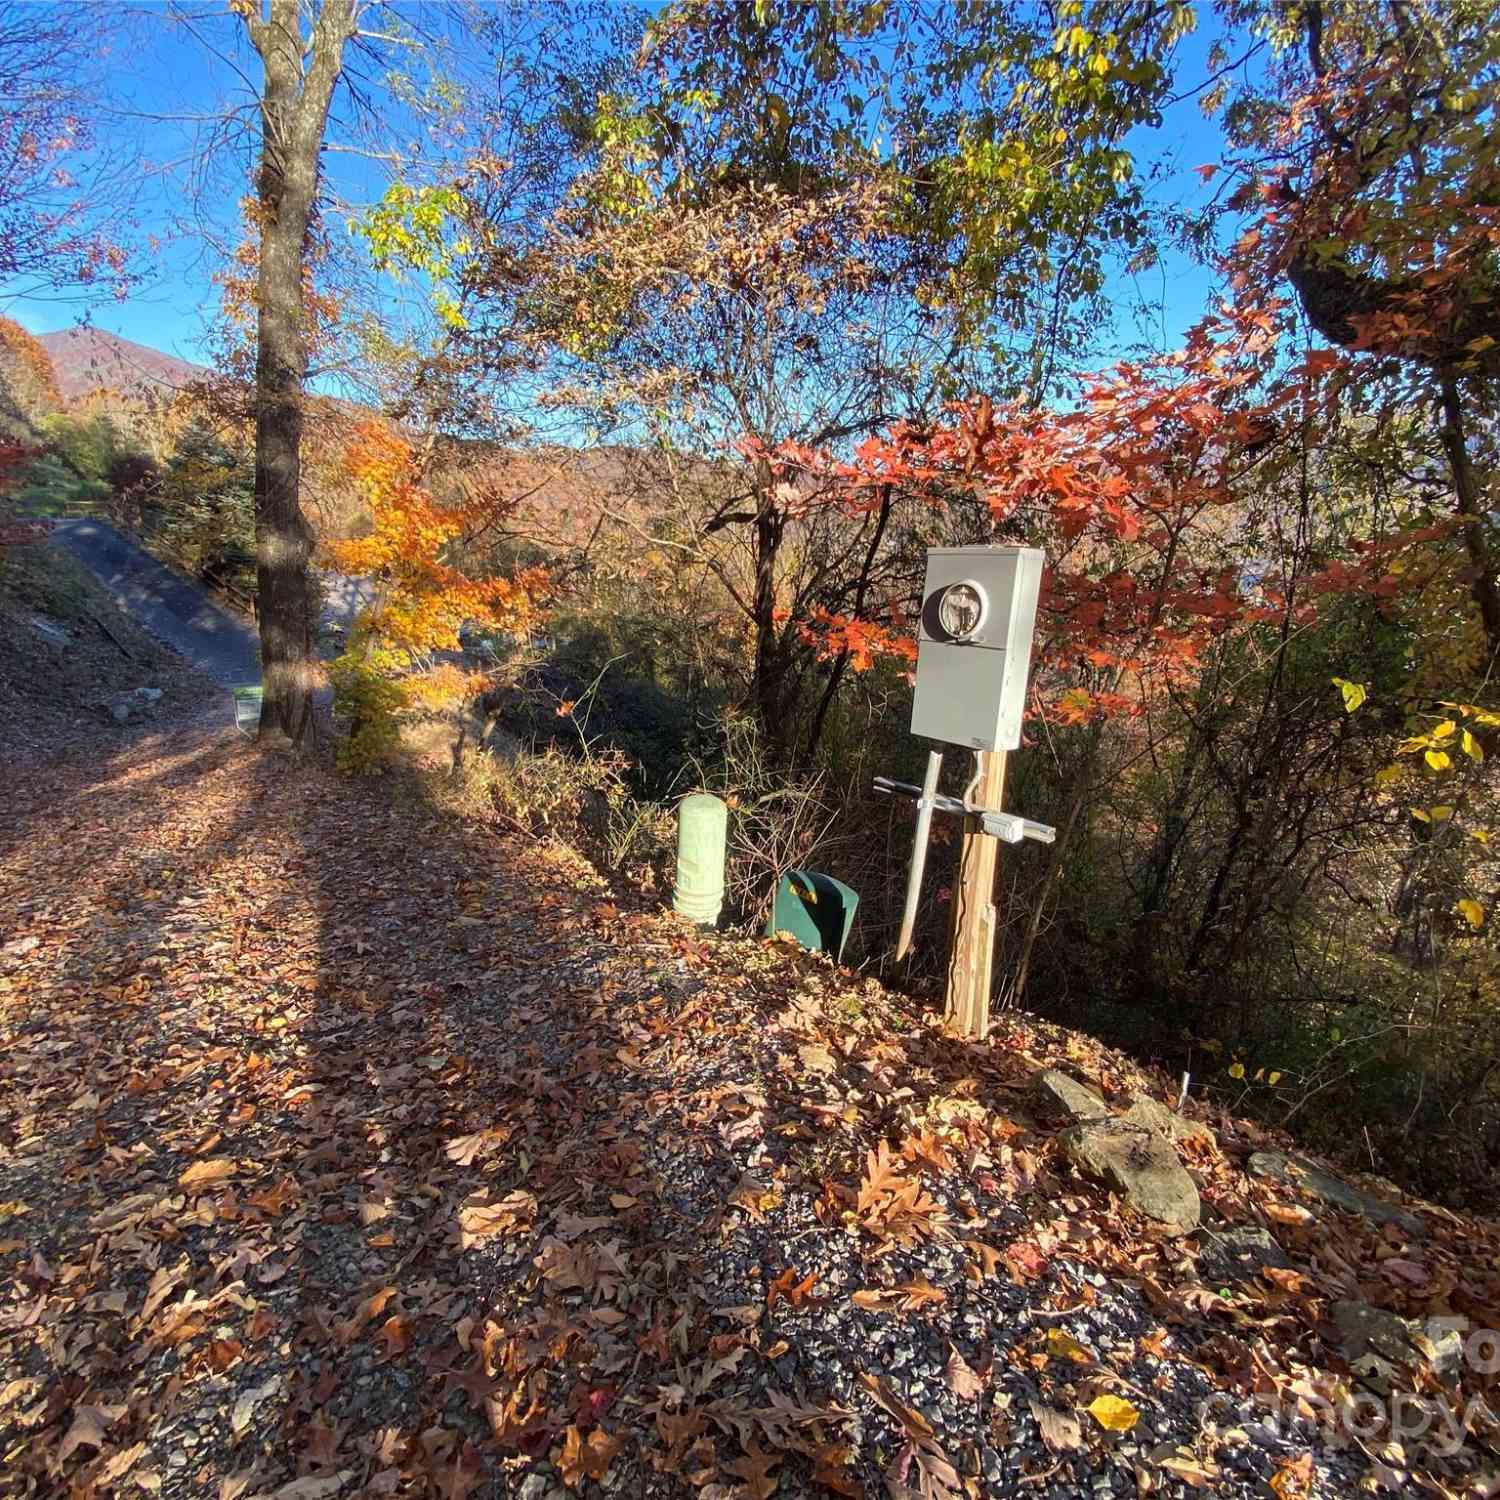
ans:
x=247 y=708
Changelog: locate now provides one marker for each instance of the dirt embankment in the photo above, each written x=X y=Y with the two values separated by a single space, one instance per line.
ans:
x=73 y=666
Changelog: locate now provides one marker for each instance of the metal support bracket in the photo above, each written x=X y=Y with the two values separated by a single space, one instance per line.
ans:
x=1010 y=829
x=1004 y=826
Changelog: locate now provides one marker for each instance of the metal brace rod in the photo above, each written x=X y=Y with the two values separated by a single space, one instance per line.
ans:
x=926 y=799
x=1004 y=826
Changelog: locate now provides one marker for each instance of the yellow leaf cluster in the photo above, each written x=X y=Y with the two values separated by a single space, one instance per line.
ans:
x=424 y=599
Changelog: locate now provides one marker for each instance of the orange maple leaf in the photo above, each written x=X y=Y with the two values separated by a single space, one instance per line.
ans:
x=586 y=1457
x=787 y=1288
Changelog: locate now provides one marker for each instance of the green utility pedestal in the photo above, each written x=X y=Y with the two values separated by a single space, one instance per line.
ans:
x=816 y=909
x=702 y=820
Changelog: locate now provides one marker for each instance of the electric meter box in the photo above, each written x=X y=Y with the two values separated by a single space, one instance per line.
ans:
x=974 y=645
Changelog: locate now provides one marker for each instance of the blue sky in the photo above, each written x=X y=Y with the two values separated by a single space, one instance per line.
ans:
x=169 y=84
x=161 y=81
x=171 y=89
x=1181 y=286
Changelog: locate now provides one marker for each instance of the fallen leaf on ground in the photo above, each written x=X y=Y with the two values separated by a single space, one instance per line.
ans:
x=1113 y=1412
x=586 y=1457
x=1061 y=1430
x=202 y=1173
x=89 y=1426
x=961 y=1377
x=1063 y=1345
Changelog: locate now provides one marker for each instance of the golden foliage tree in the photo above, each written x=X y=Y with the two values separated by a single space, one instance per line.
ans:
x=28 y=383
x=393 y=662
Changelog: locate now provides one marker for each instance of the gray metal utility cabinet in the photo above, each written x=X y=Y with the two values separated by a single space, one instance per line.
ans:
x=974 y=645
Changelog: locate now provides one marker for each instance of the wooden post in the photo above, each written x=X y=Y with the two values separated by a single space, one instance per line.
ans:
x=968 y=1004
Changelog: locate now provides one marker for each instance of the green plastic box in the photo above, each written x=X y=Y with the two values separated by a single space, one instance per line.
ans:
x=816 y=909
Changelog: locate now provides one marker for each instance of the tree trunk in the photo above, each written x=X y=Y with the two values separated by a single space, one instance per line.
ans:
x=283 y=543
x=1142 y=966
x=294 y=112
x=769 y=686
x=830 y=692
x=1472 y=509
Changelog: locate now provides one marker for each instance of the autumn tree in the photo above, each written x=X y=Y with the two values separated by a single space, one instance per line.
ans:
x=800 y=224
x=387 y=64
x=28 y=383
x=301 y=61
x=752 y=318
x=1001 y=128
x=62 y=192
x=205 y=496
x=1366 y=175
x=1160 y=496
x=1368 y=161
x=393 y=661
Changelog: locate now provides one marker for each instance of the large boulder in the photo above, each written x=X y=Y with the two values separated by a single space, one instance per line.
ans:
x=1154 y=1115
x=1141 y=1166
x=1061 y=1095
x=1298 y=1172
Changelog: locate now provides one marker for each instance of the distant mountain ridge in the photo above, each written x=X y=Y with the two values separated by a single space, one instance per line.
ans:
x=87 y=358
x=561 y=495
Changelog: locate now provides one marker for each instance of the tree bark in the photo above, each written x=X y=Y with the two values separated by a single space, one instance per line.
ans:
x=1472 y=509
x=769 y=686
x=299 y=79
x=830 y=692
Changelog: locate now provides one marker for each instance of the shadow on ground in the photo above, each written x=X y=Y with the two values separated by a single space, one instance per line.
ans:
x=352 y=1150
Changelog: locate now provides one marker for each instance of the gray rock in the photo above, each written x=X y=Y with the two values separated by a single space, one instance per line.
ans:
x=1297 y=1171
x=534 y=1487
x=1154 y=1115
x=1441 y=1342
x=617 y=1479
x=1066 y=1096
x=52 y=631
x=1376 y=1342
x=124 y=706
x=1239 y=1254
x=1141 y=1165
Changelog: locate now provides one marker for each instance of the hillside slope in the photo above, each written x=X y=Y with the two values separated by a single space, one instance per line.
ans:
x=350 y=1150
x=71 y=662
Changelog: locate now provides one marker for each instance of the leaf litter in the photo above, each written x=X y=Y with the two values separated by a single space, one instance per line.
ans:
x=350 y=1150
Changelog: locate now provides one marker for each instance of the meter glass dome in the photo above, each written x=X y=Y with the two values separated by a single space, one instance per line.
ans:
x=961 y=610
